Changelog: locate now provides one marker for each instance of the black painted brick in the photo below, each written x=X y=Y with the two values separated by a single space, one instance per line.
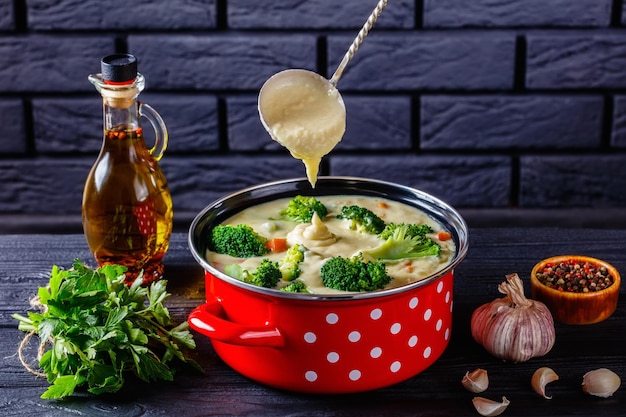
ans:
x=51 y=63
x=7 y=15
x=618 y=135
x=426 y=60
x=75 y=124
x=191 y=120
x=217 y=61
x=517 y=13
x=197 y=181
x=245 y=131
x=68 y=124
x=377 y=123
x=508 y=86
x=43 y=186
x=12 y=127
x=193 y=181
x=559 y=60
x=477 y=181
x=74 y=15
x=572 y=181
x=317 y=14
x=511 y=122
x=372 y=123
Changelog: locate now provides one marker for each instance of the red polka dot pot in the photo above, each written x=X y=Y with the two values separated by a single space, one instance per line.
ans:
x=341 y=343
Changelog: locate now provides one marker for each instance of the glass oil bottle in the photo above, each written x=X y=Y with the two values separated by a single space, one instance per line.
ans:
x=127 y=207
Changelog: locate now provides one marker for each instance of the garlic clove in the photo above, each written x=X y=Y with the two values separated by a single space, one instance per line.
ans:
x=601 y=382
x=489 y=408
x=541 y=378
x=476 y=381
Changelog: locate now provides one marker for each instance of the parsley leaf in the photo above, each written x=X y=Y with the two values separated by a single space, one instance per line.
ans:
x=97 y=329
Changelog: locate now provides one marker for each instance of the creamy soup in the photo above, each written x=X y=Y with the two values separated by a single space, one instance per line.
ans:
x=331 y=237
x=304 y=116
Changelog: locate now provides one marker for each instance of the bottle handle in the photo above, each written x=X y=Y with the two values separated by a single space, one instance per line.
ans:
x=160 y=131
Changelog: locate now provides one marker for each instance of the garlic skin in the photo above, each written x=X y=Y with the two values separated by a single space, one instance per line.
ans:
x=476 y=381
x=514 y=328
x=601 y=382
x=489 y=408
x=541 y=378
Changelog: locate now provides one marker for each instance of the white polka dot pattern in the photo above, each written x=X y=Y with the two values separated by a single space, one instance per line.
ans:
x=423 y=326
x=427 y=352
x=310 y=337
x=332 y=357
x=355 y=375
x=376 y=352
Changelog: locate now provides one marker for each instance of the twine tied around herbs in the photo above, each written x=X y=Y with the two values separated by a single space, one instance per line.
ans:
x=34 y=302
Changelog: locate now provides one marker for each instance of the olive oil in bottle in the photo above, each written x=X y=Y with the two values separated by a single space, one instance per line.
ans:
x=127 y=207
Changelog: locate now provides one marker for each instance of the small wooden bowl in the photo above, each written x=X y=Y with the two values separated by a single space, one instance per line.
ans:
x=577 y=307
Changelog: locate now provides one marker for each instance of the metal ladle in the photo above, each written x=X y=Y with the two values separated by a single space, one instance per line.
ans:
x=300 y=76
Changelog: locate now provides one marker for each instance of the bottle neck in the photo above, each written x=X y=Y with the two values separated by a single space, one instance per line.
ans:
x=120 y=107
x=116 y=118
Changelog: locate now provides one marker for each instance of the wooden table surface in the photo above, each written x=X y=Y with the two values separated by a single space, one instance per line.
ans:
x=26 y=260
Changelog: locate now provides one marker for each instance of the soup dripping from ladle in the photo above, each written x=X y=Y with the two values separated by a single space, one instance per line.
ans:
x=304 y=111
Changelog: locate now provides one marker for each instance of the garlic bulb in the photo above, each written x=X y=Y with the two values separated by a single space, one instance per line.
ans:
x=601 y=382
x=514 y=328
x=541 y=378
x=490 y=408
x=476 y=381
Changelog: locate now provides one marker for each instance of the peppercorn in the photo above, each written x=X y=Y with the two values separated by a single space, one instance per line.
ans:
x=574 y=276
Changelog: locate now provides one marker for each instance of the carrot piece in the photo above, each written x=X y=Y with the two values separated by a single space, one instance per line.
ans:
x=278 y=244
x=443 y=236
x=383 y=205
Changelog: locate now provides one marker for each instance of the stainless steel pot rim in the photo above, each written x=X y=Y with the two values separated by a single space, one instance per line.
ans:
x=451 y=219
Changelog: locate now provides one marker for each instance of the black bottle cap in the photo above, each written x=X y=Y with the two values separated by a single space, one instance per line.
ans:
x=119 y=68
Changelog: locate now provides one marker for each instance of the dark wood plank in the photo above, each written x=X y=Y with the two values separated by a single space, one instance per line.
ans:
x=25 y=262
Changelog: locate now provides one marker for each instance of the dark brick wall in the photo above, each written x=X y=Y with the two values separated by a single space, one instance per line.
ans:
x=515 y=106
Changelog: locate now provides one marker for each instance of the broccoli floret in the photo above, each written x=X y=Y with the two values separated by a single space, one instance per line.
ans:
x=265 y=275
x=354 y=274
x=289 y=265
x=240 y=241
x=301 y=209
x=403 y=243
x=362 y=219
x=412 y=230
x=295 y=286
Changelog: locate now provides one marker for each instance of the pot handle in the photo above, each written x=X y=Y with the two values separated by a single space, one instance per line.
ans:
x=205 y=319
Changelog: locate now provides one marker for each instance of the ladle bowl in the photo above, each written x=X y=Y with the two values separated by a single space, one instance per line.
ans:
x=284 y=80
x=289 y=78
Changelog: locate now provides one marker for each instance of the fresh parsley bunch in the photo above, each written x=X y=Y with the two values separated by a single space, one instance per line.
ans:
x=98 y=329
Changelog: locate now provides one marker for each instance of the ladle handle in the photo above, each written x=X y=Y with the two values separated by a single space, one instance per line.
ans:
x=358 y=41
